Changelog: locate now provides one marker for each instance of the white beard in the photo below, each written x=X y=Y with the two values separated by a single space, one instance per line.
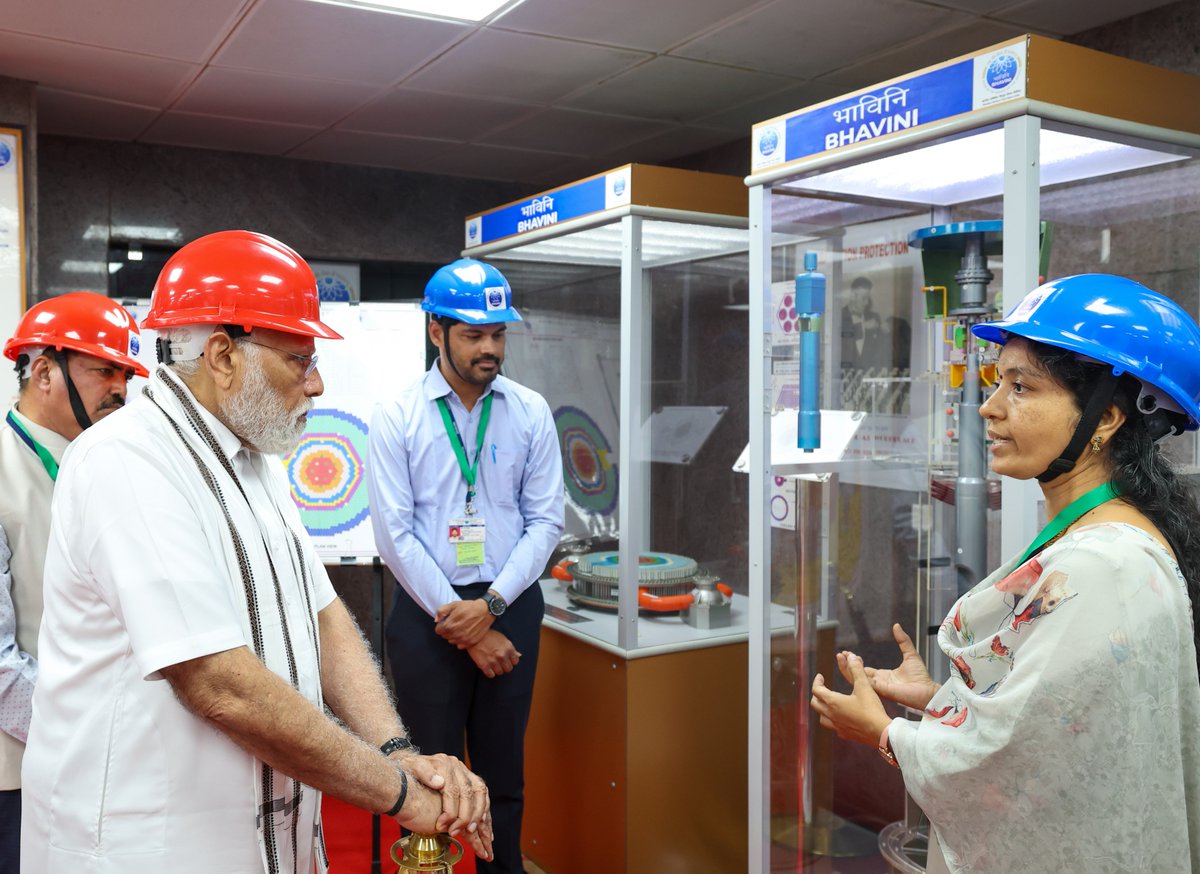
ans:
x=257 y=413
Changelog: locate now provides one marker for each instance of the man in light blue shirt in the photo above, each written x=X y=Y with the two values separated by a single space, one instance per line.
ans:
x=466 y=490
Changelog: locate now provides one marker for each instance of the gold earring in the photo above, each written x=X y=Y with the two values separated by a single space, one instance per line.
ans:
x=1097 y=443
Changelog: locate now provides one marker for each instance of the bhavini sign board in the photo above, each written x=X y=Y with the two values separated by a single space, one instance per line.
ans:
x=593 y=195
x=951 y=89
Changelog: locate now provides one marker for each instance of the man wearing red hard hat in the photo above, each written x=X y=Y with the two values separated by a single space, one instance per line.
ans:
x=181 y=716
x=74 y=354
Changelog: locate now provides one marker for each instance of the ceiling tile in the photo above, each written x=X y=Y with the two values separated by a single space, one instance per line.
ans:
x=100 y=72
x=494 y=162
x=1071 y=17
x=376 y=150
x=657 y=27
x=673 y=89
x=829 y=33
x=335 y=42
x=78 y=115
x=266 y=97
x=513 y=66
x=742 y=116
x=674 y=143
x=181 y=29
x=579 y=133
x=408 y=112
x=919 y=55
x=980 y=7
x=228 y=134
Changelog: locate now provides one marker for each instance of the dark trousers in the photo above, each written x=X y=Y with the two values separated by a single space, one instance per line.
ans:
x=443 y=697
x=10 y=831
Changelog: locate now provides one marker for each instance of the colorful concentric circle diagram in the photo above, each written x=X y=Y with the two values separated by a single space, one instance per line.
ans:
x=590 y=474
x=326 y=473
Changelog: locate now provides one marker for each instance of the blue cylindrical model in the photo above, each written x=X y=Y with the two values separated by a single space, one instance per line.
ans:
x=810 y=307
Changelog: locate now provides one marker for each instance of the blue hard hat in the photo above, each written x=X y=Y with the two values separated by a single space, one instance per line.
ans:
x=470 y=291
x=1118 y=322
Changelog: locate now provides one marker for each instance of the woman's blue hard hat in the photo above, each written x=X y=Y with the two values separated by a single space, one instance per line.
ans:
x=1117 y=322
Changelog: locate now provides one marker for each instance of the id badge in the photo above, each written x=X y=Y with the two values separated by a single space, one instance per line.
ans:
x=468 y=536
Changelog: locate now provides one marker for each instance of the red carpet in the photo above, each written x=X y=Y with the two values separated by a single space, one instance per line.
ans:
x=348 y=840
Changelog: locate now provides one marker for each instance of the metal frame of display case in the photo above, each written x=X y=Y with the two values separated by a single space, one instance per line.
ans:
x=626 y=196
x=1019 y=86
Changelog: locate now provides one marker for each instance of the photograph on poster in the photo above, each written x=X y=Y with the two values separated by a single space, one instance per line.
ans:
x=875 y=332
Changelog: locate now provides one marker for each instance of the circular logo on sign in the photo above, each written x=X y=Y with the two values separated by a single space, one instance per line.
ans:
x=619 y=186
x=332 y=288
x=472 y=230
x=135 y=345
x=1001 y=71
x=768 y=143
x=5 y=154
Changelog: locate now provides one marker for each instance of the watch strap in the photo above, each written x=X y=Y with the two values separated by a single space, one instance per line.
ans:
x=396 y=744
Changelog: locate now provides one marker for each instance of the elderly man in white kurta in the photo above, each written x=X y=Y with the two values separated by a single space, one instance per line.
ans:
x=179 y=721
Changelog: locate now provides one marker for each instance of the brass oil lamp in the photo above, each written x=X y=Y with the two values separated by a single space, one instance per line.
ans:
x=427 y=853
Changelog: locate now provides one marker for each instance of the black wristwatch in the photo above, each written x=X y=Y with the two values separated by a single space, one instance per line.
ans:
x=397 y=744
x=496 y=604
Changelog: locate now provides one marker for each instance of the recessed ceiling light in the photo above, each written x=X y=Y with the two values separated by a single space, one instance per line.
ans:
x=455 y=10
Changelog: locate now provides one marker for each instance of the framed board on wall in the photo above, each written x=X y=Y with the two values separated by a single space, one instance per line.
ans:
x=12 y=229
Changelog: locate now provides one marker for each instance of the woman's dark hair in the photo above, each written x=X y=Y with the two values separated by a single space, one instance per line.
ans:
x=1142 y=475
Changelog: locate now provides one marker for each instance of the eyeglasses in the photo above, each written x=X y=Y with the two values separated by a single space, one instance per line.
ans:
x=308 y=362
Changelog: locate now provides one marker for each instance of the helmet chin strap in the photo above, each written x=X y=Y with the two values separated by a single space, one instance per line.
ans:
x=1102 y=396
x=446 y=342
x=81 y=416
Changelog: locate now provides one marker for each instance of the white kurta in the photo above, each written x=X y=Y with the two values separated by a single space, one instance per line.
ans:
x=1067 y=737
x=119 y=778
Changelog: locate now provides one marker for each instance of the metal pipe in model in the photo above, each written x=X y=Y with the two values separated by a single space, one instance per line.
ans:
x=810 y=307
x=970 y=501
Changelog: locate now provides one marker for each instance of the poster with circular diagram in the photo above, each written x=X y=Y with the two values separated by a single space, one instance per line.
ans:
x=383 y=350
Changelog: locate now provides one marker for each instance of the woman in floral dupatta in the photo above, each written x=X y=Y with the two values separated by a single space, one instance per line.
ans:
x=1065 y=739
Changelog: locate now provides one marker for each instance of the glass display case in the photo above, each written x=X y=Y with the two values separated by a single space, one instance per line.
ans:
x=633 y=288
x=922 y=204
x=632 y=284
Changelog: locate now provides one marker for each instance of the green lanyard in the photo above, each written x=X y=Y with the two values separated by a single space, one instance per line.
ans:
x=39 y=450
x=1068 y=515
x=460 y=451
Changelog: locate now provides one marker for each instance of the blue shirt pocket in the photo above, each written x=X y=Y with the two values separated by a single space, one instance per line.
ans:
x=500 y=470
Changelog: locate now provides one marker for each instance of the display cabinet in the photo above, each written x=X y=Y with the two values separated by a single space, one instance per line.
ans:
x=922 y=204
x=632 y=284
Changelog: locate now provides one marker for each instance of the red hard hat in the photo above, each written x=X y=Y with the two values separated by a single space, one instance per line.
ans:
x=82 y=321
x=238 y=278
